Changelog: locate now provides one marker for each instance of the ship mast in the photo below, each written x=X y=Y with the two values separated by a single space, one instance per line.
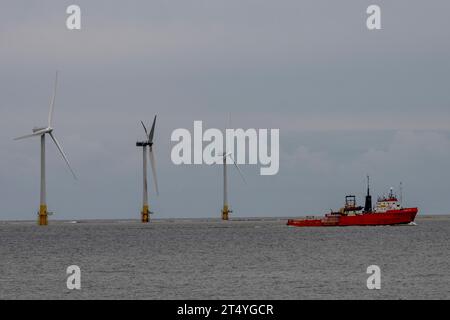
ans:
x=401 y=194
x=368 y=204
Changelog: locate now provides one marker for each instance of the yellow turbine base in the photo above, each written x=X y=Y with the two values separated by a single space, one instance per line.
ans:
x=145 y=214
x=43 y=216
x=225 y=212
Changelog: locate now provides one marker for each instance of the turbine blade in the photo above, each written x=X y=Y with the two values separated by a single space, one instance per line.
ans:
x=152 y=131
x=39 y=133
x=145 y=129
x=237 y=167
x=62 y=153
x=151 y=156
x=52 y=104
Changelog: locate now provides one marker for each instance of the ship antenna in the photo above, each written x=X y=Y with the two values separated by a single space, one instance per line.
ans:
x=401 y=193
x=368 y=185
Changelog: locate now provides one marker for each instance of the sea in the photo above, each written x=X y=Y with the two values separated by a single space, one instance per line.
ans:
x=212 y=259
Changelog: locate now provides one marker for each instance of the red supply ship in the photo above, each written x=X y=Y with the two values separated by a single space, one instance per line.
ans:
x=387 y=211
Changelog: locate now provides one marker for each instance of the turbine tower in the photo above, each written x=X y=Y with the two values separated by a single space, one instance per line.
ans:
x=145 y=214
x=226 y=208
x=42 y=131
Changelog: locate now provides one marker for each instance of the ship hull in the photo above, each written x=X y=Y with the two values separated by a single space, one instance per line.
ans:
x=392 y=217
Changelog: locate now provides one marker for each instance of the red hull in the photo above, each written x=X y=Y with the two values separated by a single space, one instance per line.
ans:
x=392 y=217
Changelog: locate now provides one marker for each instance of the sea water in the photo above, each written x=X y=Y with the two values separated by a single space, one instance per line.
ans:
x=213 y=259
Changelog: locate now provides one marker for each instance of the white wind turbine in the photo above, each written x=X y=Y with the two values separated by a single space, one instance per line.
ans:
x=226 y=208
x=145 y=214
x=42 y=131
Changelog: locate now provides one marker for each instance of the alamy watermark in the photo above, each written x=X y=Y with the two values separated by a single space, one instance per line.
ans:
x=74 y=277
x=249 y=146
x=373 y=21
x=73 y=21
x=374 y=281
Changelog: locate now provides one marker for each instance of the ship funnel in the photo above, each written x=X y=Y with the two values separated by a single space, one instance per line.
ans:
x=368 y=204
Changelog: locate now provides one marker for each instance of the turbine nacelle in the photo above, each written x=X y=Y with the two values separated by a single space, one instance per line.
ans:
x=37 y=132
x=144 y=144
x=36 y=129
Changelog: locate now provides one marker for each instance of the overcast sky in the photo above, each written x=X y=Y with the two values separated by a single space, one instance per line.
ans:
x=348 y=101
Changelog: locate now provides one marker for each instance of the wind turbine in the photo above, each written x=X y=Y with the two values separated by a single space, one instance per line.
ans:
x=226 y=208
x=151 y=155
x=42 y=131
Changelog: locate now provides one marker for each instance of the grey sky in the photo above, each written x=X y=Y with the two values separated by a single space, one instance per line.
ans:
x=347 y=101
